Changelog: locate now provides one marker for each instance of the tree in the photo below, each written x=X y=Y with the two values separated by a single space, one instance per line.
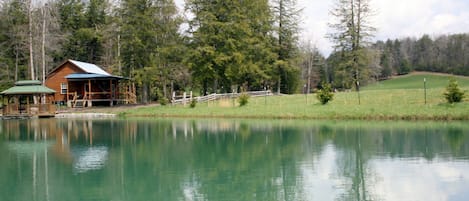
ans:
x=453 y=93
x=424 y=53
x=352 y=34
x=286 y=18
x=150 y=37
x=325 y=94
x=14 y=39
x=230 y=43
x=30 y=41
x=312 y=66
x=83 y=24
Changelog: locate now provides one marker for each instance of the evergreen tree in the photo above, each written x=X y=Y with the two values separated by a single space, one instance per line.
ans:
x=230 y=44
x=352 y=34
x=150 y=37
x=453 y=93
x=286 y=16
x=13 y=40
x=83 y=25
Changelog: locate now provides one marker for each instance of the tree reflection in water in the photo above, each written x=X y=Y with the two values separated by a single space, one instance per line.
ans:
x=178 y=159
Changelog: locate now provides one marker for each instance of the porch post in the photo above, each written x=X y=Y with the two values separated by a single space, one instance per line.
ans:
x=112 y=93
x=90 y=104
x=66 y=93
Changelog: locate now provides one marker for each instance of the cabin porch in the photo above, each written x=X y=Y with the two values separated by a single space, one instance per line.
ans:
x=102 y=92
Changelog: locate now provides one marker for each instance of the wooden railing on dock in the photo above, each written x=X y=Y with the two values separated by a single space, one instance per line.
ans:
x=29 y=110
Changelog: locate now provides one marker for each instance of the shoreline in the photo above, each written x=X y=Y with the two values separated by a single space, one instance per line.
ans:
x=293 y=117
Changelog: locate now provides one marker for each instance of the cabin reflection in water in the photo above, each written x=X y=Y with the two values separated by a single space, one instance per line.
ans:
x=71 y=141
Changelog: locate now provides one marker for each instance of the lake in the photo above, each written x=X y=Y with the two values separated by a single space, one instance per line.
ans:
x=221 y=160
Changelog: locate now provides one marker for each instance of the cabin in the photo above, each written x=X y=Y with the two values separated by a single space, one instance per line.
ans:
x=28 y=98
x=81 y=84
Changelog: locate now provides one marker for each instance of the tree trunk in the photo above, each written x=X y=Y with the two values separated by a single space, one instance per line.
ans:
x=119 y=66
x=279 y=83
x=43 y=45
x=30 y=33
x=16 y=62
x=145 y=93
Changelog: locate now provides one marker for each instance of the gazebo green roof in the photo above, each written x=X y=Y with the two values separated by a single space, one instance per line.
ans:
x=27 y=87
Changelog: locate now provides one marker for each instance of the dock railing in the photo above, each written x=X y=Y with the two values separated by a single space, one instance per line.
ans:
x=29 y=109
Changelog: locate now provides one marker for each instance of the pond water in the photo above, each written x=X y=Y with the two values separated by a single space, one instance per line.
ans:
x=217 y=160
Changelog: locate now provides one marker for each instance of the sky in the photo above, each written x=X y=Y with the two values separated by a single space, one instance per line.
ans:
x=393 y=19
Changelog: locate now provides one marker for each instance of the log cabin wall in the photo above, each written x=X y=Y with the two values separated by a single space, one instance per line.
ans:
x=57 y=76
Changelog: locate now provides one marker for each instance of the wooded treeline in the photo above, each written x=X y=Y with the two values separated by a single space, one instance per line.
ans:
x=444 y=53
x=222 y=46
x=209 y=46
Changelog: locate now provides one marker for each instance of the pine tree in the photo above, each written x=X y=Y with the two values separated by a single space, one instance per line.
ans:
x=83 y=25
x=150 y=37
x=13 y=40
x=352 y=34
x=230 y=44
x=286 y=18
x=453 y=93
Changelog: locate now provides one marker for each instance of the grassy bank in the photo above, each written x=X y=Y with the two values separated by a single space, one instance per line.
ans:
x=397 y=99
x=389 y=104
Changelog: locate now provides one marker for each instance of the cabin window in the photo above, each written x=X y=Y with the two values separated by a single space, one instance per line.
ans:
x=63 y=88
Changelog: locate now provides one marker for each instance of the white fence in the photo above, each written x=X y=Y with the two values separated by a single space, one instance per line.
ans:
x=184 y=99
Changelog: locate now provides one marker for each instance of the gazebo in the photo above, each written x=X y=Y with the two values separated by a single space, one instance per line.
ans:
x=28 y=98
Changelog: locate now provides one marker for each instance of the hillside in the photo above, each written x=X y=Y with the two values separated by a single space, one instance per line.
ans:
x=415 y=81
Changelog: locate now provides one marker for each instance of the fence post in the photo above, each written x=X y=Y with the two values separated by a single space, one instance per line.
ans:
x=174 y=97
x=184 y=98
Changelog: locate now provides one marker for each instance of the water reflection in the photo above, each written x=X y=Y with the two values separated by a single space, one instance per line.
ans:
x=91 y=158
x=144 y=159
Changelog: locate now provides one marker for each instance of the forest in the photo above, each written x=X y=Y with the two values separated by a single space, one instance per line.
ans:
x=210 y=45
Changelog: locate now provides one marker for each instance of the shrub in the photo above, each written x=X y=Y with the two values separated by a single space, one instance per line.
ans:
x=243 y=99
x=193 y=103
x=163 y=101
x=453 y=93
x=325 y=94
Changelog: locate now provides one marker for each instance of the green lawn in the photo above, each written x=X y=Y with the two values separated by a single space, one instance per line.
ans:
x=388 y=100
x=415 y=81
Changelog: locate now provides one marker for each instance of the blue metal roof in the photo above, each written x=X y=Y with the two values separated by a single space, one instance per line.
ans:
x=90 y=76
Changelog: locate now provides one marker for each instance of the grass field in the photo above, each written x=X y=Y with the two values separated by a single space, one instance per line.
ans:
x=415 y=81
x=399 y=98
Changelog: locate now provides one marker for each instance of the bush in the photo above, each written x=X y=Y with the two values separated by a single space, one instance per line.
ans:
x=193 y=103
x=243 y=99
x=453 y=93
x=325 y=94
x=163 y=101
